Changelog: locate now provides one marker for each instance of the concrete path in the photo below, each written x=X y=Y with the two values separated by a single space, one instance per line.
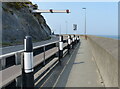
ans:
x=81 y=69
x=84 y=72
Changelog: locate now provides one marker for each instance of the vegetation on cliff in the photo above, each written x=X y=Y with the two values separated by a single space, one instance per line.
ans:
x=18 y=21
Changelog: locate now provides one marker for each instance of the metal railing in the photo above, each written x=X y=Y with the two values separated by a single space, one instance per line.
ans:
x=42 y=66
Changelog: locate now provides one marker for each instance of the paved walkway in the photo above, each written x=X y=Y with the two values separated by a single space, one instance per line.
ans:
x=83 y=71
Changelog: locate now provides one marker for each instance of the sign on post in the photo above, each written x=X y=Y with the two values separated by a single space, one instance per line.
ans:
x=74 y=26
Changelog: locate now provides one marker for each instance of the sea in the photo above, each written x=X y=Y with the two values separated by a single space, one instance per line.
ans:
x=110 y=36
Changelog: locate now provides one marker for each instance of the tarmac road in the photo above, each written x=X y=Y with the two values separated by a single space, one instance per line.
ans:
x=10 y=49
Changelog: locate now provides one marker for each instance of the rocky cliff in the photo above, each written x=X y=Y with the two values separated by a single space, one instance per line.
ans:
x=18 y=21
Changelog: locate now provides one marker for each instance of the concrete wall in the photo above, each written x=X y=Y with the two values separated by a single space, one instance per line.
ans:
x=105 y=53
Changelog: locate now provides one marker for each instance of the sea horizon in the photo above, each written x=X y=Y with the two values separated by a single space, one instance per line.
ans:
x=110 y=36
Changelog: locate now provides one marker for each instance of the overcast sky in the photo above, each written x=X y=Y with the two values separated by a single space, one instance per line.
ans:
x=102 y=17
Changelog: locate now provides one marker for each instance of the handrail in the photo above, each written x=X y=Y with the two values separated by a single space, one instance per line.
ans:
x=21 y=51
x=10 y=54
x=13 y=53
x=44 y=45
x=37 y=47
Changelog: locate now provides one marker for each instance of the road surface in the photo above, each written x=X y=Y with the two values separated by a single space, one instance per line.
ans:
x=10 y=49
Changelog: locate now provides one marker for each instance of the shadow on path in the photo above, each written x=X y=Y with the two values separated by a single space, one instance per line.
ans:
x=59 y=75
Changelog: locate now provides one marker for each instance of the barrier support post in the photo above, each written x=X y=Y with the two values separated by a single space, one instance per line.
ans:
x=78 y=39
x=27 y=75
x=69 y=43
x=73 y=41
x=60 y=47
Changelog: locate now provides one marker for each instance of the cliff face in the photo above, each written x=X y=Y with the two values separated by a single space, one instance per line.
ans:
x=18 y=21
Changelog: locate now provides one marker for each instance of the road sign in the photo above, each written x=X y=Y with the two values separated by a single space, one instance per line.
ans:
x=74 y=26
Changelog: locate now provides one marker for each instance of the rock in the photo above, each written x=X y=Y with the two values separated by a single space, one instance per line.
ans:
x=18 y=21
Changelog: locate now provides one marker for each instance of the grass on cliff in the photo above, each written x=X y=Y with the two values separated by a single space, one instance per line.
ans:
x=5 y=44
x=19 y=5
x=16 y=5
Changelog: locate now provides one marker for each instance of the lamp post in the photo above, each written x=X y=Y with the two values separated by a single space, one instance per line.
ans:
x=85 y=23
x=66 y=26
x=60 y=29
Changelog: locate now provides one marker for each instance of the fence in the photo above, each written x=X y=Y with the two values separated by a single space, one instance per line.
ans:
x=46 y=57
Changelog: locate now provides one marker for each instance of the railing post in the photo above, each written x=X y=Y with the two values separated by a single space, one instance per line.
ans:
x=69 y=43
x=78 y=39
x=73 y=41
x=3 y=63
x=18 y=62
x=0 y=64
x=44 y=55
x=57 y=45
x=19 y=82
x=28 y=77
x=17 y=58
x=60 y=47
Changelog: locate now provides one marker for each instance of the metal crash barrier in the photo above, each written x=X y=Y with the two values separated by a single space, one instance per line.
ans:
x=28 y=67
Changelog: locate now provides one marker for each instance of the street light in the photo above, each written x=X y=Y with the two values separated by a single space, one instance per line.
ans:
x=85 y=23
x=60 y=29
x=66 y=26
